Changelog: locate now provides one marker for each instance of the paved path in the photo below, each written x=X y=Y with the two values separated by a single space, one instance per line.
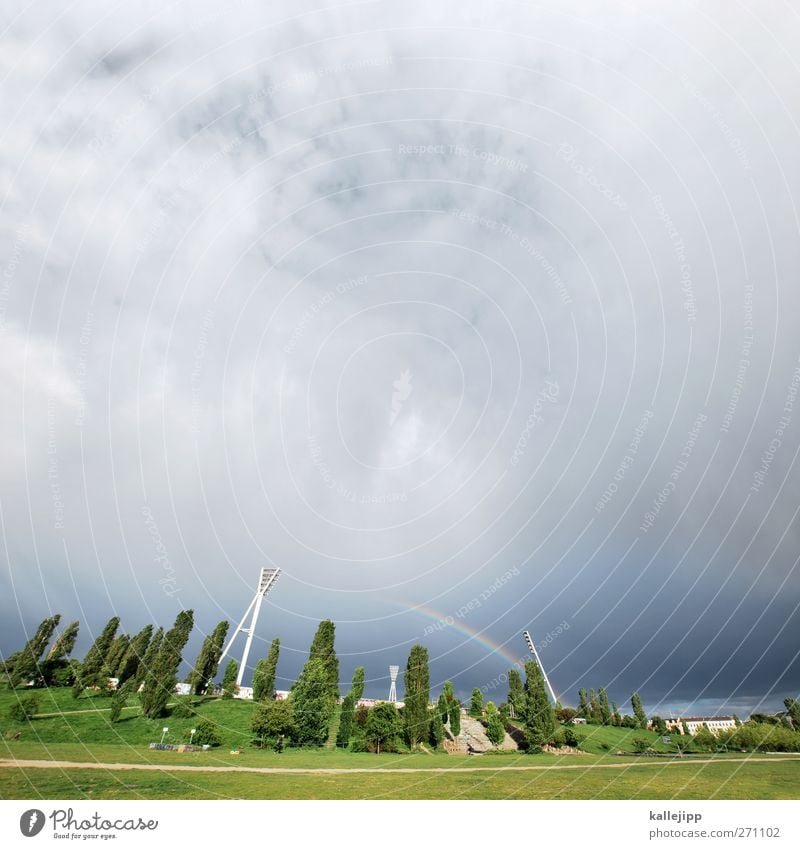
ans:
x=6 y=763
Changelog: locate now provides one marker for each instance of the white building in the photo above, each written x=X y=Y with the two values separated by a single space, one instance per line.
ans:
x=715 y=724
x=368 y=703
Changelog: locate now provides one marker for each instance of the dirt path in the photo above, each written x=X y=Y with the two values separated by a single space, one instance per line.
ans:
x=5 y=763
x=88 y=710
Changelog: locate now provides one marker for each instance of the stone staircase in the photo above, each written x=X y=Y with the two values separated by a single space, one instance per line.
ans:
x=473 y=736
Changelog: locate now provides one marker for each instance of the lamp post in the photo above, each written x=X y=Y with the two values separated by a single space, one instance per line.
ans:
x=191 y=736
x=163 y=733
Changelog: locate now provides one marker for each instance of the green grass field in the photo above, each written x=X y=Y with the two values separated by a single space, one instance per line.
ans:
x=80 y=731
x=731 y=780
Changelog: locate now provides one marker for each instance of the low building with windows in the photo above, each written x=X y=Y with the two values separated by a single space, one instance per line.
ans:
x=715 y=724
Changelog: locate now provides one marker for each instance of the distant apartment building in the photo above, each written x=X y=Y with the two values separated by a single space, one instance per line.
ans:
x=368 y=703
x=715 y=724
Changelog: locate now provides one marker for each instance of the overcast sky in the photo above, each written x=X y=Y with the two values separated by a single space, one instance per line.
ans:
x=469 y=319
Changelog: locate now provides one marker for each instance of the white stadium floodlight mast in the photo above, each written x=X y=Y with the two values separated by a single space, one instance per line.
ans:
x=532 y=650
x=393 y=670
x=266 y=582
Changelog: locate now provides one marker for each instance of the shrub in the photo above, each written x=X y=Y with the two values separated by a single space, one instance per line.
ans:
x=570 y=737
x=384 y=728
x=206 y=733
x=566 y=714
x=640 y=745
x=272 y=720
x=24 y=709
x=62 y=676
x=183 y=709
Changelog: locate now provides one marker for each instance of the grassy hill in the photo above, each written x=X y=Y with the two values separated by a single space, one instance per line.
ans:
x=62 y=719
x=606 y=739
x=79 y=731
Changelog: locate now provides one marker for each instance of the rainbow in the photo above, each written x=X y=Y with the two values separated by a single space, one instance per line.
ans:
x=446 y=621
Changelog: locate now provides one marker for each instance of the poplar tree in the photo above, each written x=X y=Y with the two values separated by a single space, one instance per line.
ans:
x=55 y=668
x=516 y=694
x=638 y=711
x=357 y=688
x=91 y=671
x=793 y=709
x=443 y=707
x=313 y=704
x=417 y=695
x=23 y=666
x=63 y=646
x=436 y=735
x=476 y=703
x=266 y=673
x=116 y=654
x=134 y=655
x=495 y=730
x=322 y=648
x=259 y=676
x=596 y=715
x=455 y=717
x=584 y=710
x=229 y=687
x=605 y=708
x=148 y=662
x=160 y=680
x=207 y=663
x=349 y=703
x=539 y=720
x=119 y=699
x=346 y=721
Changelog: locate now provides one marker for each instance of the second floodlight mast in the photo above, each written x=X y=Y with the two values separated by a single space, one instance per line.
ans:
x=266 y=582
x=532 y=650
x=393 y=670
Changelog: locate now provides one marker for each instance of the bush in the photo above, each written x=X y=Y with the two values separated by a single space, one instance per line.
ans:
x=62 y=676
x=384 y=727
x=764 y=737
x=183 y=709
x=570 y=737
x=272 y=720
x=24 y=709
x=206 y=733
x=640 y=745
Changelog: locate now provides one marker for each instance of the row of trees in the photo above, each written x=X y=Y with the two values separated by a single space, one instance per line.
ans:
x=31 y=663
x=148 y=662
x=596 y=709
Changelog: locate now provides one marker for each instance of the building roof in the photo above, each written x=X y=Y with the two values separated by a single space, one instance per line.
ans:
x=702 y=718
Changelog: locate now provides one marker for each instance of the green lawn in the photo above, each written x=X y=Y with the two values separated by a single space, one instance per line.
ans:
x=81 y=731
x=601 y=739
x=86 y=720
x=778 y=780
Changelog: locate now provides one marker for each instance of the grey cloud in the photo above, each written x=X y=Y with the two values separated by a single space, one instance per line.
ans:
x=226 y=235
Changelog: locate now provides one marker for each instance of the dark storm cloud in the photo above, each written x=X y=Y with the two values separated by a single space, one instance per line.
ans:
x=399 y=299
